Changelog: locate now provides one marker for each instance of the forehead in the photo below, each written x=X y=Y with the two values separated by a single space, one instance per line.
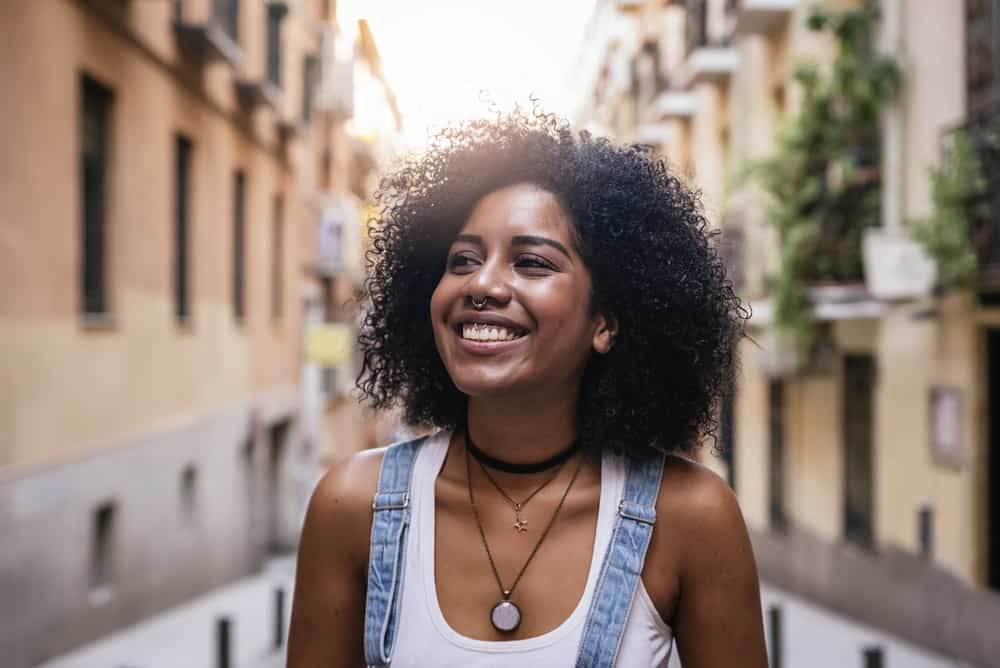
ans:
x=523 y=208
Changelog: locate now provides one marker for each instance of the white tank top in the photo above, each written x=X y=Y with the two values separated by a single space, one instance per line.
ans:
x=424 y=637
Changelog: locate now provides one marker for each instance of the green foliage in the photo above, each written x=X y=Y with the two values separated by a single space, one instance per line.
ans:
x=822 y=181
x=944 y=234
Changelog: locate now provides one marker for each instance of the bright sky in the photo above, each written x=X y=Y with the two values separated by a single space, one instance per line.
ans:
x=438 y=55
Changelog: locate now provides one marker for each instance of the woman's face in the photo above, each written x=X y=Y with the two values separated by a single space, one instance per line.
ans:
x=536 y=331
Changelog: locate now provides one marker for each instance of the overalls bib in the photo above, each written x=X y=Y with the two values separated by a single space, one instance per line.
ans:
x=616 y=586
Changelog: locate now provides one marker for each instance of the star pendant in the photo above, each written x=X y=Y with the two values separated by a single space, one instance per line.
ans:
x=521 y=525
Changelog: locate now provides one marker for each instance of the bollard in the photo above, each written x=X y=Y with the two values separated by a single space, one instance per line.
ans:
x=774 y=619
x=925 y=528
x=279 y=617
x=223 y=640
x=873 y=657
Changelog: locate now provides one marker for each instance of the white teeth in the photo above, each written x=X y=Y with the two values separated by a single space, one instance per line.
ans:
x=483 y=332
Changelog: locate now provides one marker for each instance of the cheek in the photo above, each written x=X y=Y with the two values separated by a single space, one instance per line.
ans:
x=439 y=301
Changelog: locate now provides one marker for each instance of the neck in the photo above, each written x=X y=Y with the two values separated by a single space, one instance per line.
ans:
x=522 y=432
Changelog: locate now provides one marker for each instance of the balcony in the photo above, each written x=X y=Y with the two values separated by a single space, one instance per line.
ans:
x=710 y=57
x=335 y=89
x=713 y=64
x=758 y=17
x=674 y=104
x=210 y=39
x=651 y=134
x=983 y=207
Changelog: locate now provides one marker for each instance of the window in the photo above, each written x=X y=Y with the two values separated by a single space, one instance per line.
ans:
x=182 y=229
x=310 y=79
x=776 y=460
x=275 y=13
x=277 y=258
x=227 y=15
x=95 y=117
x=189 y=494
x=102 y=545
x=239 y=244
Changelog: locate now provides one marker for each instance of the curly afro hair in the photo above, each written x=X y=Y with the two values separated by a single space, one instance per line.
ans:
x=642 y=234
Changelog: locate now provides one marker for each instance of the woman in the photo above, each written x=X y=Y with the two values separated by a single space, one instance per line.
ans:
x=551 y=304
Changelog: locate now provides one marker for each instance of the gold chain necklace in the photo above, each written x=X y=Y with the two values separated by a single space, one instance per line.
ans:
x=506 y=616
x=520 y=524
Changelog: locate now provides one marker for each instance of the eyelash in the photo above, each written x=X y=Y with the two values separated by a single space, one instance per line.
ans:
x=534 y=261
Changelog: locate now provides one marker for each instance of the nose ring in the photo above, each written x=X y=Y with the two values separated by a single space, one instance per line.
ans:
x=479 y=305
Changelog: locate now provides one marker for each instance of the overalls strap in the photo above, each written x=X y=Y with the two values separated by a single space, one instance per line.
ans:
x=390 y=519
x=609 y=608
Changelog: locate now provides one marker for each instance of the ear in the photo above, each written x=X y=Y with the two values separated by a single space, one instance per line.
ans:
x=605 y=331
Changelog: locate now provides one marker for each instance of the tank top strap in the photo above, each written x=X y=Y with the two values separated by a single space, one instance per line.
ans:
x=390 y=519
x=622 y=568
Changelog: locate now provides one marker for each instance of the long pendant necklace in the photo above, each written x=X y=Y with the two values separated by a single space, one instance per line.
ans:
x=520 y=524
x=505 y=615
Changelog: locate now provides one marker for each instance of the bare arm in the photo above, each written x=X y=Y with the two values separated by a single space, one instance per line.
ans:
x=328 y=609
x=717 y=620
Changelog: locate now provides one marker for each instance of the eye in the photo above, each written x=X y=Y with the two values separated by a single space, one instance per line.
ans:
x=460 y=260
x=534 y=262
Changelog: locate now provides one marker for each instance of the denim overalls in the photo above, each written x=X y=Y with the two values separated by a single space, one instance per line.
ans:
x=609 y=607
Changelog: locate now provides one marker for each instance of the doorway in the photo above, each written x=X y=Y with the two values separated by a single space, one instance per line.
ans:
x=776 y=455
x=992 y=482
x=858 y=398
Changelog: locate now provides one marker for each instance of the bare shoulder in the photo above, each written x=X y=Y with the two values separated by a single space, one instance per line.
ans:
x=701 y=509
x=330 y=578
x=690 y=487
x=707 y=547
x=340 y=509
x=350 y=480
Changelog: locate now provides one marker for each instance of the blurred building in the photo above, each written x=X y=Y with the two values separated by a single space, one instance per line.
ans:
x=183 y=198
x=360 y=126
x=870 y=475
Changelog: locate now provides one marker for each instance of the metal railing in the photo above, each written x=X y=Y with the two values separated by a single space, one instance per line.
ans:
x=983 y=206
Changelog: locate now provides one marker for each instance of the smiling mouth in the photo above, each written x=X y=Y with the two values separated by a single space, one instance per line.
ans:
x=485 y=332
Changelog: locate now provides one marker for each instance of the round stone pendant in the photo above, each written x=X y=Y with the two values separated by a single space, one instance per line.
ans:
x=505 y=616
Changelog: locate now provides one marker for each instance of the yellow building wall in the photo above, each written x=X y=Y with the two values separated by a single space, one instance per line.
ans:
x=707 y=149
x=68 y=389
x=751 y=436
x=813 y=465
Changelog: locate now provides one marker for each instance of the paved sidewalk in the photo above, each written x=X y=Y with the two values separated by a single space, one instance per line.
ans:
x=186 y=636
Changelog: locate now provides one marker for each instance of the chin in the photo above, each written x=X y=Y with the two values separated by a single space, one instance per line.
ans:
x=480 y=388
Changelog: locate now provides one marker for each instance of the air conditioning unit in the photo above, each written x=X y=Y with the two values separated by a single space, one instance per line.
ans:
x=896 y=266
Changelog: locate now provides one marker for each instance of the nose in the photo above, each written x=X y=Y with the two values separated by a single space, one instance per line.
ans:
x=492 y=279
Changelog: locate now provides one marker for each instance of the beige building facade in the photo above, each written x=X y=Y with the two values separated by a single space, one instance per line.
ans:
x=157 y=183
x=870 y=477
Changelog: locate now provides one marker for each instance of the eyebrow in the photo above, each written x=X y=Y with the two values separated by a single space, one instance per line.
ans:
x=519 y=240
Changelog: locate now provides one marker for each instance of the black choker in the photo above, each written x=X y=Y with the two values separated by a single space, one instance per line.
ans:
x=509 y=467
